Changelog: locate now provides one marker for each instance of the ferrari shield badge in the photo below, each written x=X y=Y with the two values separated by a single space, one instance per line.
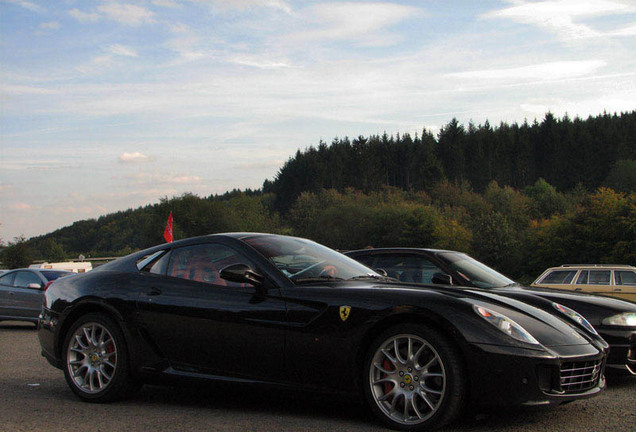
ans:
x=344 y=312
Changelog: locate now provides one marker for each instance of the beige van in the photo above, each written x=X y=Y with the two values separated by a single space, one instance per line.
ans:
x=605 y=279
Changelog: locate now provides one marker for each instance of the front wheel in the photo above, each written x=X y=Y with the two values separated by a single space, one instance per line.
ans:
x=96 y=360
x=414 y=378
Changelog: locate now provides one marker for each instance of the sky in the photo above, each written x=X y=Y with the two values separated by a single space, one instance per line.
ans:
x=110 y=105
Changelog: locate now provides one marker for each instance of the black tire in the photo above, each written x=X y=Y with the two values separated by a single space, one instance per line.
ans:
x=421 y=390
x=95 y=356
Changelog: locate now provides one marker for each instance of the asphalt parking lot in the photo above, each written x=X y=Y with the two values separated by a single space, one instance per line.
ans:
x=35 y=397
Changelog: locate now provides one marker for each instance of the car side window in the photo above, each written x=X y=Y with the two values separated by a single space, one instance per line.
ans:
x=7 y=280
x=625 y=277
x=408 y=268
x=594 y=277
x=24 y=278
x=582 y=279
x=366 y=260
x=203 y=263
x=559 y=277
x=158 y=265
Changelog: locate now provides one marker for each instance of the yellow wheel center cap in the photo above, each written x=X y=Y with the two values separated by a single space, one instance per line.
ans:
x=407 y=379
x=94 y=357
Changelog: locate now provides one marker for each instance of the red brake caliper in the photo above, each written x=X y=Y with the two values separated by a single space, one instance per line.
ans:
x=110 y=348
x=388 y=386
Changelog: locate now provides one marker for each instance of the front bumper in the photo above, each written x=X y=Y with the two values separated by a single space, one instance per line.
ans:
x=622 y=341
x=515 y=376
x=47 y=332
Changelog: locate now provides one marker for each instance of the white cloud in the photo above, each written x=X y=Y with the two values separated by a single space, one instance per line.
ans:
x=560 y=16
x=258 y=62
x=545 y=71
x=128 y=14
x=122 y=50
x=627 y=31
x=97 y=64
x=250 y=4
x=75 y=211
x=21 y=206
x=27 y=5
x=187 y=46
x=178 y=27
x=25 y=90
x=135 y=157
x=6 y=188
x=52 y=25
x=261 y=165
x=20 y=164
x=166 y=3
x=163 y=178
x=353 y=21
x=83 y=16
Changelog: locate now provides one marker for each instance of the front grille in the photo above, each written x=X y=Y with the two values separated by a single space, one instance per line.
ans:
x=580 y=376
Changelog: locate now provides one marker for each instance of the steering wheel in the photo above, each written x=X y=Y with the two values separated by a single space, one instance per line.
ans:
x=329 y=271
x=305 y=270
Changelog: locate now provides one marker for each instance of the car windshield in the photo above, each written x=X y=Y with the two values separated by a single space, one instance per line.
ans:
x=477 y=273
x=52 y=274
x=305 y=261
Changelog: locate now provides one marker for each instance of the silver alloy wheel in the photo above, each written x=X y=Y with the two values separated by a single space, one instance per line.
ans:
x=407 y=379
x=91 y=358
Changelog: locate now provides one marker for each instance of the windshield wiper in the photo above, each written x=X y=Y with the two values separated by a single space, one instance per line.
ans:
x=317 y=279
x=374 y=277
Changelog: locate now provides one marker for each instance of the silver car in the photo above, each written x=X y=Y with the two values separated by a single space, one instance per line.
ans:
x=21 y=293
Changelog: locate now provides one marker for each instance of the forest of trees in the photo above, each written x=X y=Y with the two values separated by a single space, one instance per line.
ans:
x=566 y=153
x=520 y=198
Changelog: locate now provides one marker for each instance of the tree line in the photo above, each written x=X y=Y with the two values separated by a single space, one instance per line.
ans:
x=469 y=189
x=566 y=153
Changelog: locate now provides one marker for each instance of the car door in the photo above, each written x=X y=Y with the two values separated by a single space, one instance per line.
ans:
x=597 y=281
x=204 y=324
x=7 y=295
x=625 y=284
x=27 y=294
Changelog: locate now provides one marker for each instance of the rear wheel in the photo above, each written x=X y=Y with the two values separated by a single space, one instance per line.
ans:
x=414 y=378
x=96 y=360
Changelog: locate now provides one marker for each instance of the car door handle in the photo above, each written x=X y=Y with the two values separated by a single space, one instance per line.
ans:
x=154 y=291
x=618 y=289
x=578 y=289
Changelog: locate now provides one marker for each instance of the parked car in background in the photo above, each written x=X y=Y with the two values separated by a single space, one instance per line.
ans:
x=21 y=293
x=613 y=319
x=269 y=309
x=606 y=279
x=72 y=266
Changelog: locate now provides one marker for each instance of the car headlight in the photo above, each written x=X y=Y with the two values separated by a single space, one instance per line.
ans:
x=627 y=319
x=506 y=325
x=575 y=316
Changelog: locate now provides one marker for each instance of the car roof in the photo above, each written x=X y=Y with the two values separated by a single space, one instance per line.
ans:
x=398 y=249
x=129 y=262
x=36 y=270
x=593 y=266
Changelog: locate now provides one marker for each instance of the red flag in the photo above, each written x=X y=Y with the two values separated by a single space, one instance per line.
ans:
x=167 y=233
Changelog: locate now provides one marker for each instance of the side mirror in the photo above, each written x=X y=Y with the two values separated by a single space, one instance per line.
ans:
x=241 y=273
x=34 y=285
x=442 y=279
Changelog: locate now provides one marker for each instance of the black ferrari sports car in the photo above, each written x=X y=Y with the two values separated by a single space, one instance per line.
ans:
x=261 y=308
x=614 y=319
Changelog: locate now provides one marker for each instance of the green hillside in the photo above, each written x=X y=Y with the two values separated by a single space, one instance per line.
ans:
x=519 y=197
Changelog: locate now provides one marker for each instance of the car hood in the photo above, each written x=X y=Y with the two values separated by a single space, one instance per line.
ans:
x=593 y=307
x=540 y=319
